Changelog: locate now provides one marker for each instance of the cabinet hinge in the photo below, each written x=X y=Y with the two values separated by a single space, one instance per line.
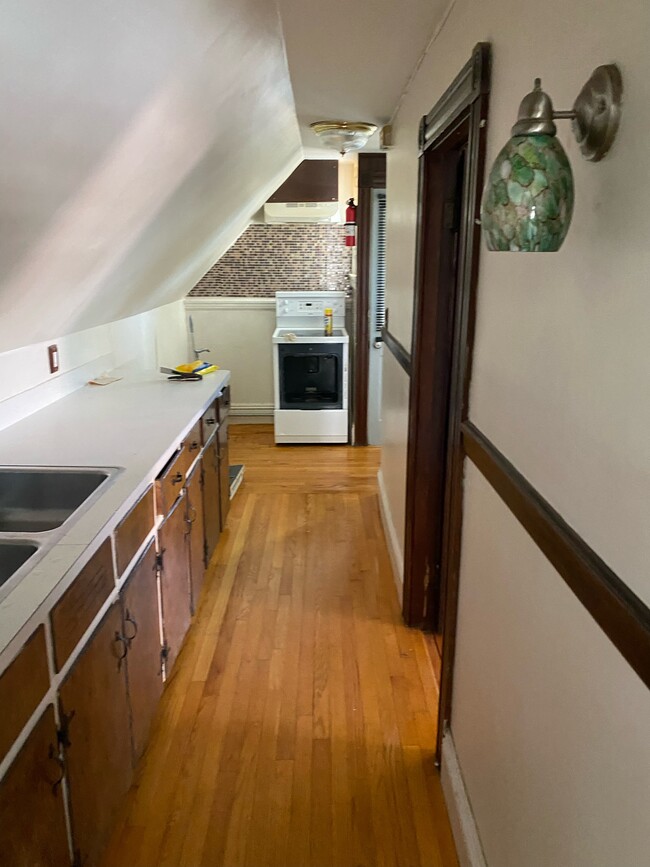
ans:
x=160 y=559
x=164 y=655
x=63 y=732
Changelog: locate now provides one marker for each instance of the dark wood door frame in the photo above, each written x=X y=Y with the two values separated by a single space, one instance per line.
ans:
x=443 y=333
x=372 y=176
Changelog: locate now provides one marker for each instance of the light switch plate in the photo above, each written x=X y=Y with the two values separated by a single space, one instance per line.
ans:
x=53 y=357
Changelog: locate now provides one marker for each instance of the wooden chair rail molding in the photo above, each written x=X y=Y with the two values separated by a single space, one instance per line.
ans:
x=402 y=357
x=622 y=616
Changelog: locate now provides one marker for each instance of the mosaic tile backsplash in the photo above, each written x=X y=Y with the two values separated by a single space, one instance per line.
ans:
x=270 y=259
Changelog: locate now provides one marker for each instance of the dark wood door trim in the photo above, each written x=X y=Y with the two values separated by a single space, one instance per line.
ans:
x=401 y=355
x=623 y=617
x=441 y=368
x=372 y=176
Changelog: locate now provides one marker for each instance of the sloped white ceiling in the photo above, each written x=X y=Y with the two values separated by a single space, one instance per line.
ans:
x=351 y=59
x=137 y=140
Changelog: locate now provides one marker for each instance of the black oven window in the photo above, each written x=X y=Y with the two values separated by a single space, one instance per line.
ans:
x=311 y=380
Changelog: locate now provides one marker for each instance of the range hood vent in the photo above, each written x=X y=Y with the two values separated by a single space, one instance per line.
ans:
x=302 y=212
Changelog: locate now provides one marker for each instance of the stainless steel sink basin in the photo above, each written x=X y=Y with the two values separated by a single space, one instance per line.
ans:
x=13 y=555
x=39 y=499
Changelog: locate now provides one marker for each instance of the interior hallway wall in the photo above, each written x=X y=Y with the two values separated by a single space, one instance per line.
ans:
x=548 y=720
x=148 y=339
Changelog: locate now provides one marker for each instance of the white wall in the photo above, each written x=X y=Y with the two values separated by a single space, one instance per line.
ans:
x=147 y=339
x=549 y=723
x=138 y=139
x=238 y=333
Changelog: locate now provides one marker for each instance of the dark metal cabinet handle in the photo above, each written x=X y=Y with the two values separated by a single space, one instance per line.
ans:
x=53 y=754
x=177 y=479
x=129 y=618
x=194 y=446
x=125 y=644
x=210 y=421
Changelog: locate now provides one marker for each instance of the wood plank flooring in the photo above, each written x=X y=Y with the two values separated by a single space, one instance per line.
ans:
x=299 y=727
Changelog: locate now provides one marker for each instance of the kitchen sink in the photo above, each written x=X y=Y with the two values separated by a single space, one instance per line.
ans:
x=13 y=555
x=41 y=499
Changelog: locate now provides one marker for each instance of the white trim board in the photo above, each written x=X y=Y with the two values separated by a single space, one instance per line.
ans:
x=394 y=548
x=461 y=818
x=215 y=302
x=265 y=409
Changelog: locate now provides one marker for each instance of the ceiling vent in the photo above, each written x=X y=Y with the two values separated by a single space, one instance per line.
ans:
x=302 y=212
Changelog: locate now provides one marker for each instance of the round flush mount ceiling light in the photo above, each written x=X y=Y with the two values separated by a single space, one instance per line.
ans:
x=344 y=135
x=528 y=199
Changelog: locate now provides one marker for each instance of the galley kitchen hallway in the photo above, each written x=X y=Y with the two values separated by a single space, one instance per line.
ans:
x=299 y=725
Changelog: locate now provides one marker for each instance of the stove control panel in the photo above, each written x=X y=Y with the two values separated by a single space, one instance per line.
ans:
x=299 y=305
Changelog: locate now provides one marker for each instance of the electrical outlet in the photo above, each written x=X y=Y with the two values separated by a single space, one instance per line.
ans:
x=53 y=357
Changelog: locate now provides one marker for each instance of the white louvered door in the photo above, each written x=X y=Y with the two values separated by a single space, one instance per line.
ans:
x=377 y=313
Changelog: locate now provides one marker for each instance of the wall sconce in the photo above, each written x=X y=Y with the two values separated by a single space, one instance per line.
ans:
x=528 y=199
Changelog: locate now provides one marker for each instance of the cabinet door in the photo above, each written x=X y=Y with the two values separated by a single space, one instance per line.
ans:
x=142 y=630
x=95 y=714
x=224 y=472
x=174 y=581
x=211 y=506
x=197 y=533
x=32 y=818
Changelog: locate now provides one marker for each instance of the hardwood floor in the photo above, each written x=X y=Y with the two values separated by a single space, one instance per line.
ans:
x=299 y=727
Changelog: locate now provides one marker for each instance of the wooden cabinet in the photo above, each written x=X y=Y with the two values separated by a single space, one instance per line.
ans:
x=312 y=181
x=174 y=581
x=171 y=481
x=209 y=422
x=193 y=442
x=223 y=403
x=22 y=686
x=211 y=503
x=97 y=737
x=132 y=530
x=196 y=538
x=74 y=612
x=142 y=631
x=32 y=818
x=224 y=471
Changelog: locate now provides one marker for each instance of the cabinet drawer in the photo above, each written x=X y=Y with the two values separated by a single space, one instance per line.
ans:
x=74 y=612
x=170 y=482
x=223 y=403
x=193 y=442
x=131 y=532
x=209 y=421
x=22 y=685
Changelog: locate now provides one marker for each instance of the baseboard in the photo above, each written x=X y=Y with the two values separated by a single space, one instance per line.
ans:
x=252 y=409
x=252 y=419
x=226 y=302
x=394 y=548
x=461 y=818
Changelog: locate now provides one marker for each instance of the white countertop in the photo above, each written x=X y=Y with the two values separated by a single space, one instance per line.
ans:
x=132 y=424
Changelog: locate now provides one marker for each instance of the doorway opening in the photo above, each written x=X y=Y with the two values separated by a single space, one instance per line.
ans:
x=452 y=155
x=370 y=300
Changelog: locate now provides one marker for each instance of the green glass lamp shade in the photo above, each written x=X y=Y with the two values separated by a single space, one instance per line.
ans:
x=528 y=200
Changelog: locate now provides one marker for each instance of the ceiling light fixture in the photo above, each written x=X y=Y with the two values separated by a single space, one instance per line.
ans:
x=528 y=199
x=344 y=135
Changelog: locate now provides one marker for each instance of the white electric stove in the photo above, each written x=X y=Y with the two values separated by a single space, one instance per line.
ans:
x=310 y=370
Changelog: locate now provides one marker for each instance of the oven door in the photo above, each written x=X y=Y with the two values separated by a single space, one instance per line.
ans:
x=311 y=375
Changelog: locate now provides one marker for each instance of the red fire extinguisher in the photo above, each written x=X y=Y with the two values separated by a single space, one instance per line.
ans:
x=351 y=224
